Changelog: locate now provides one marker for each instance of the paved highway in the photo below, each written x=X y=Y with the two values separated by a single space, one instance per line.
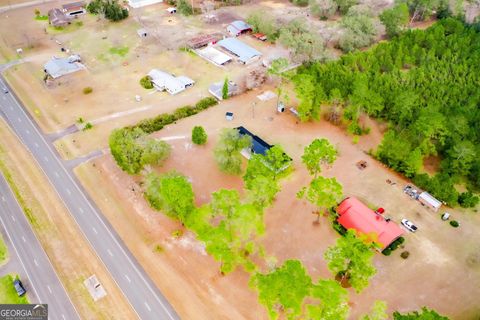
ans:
x=44 y=281
x=139 y=289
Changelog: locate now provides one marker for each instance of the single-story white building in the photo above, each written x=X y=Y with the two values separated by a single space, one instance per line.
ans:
x=242 y=51
x=165 y=81
x=429 y=201
x=57 y=67
x=213 y=55
x=142 y=3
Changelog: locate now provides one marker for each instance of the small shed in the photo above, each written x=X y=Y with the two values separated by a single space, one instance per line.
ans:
x=142 y=33
x=238 y=27
x=426 y=199
x=229 y=116
x=142 y=3
x=172 y=10
x=242 y=51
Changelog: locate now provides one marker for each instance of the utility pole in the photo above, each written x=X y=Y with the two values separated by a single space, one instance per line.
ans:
x=253 y=109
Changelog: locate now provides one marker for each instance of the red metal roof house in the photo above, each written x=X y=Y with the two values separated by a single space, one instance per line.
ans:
x=353 y=214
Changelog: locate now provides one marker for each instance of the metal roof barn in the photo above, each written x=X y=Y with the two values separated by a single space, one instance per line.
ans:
x=244 y=52
x=354 y=214
x=213 y=55
x=238 y=27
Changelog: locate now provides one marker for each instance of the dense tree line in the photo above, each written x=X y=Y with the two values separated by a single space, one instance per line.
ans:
x=425 y=84
x=109 y=8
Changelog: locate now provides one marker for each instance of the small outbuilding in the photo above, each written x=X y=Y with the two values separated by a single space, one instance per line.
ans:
x=354 y=214
x=238 y=27
x=163 y=81
x=142 y=33
x=242 y=51
x=216 y=89
x=74 y=9
x=427 y=200
x=58 y=18
x=58 y=67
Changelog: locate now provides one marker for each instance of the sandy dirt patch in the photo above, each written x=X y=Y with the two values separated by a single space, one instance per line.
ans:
x=290 y=231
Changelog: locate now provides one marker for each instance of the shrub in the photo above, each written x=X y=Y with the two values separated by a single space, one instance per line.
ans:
x=405 y=254
x=146 y=82
x=184 y=7
x=387 y=251
x=199 y=136
x=87 y=126
x=87 y=90
x=206 y=103
x=454 y=223
x=468 y=200
x=300 y=3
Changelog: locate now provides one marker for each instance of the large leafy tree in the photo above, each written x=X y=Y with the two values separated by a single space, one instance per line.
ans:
x=425 y=314
x=284 y=289
x=359 y=32
x=302 y=42
x=351 y=258
x=395 y=19
x=333 y=301
x=132 y=149
x=378 y=311
x=318 y=153
x=227 y=151
x=172 y=193
x=322 y=192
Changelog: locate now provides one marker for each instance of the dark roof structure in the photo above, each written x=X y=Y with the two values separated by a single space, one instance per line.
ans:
x=58 y=18
x=259 y=146
x=73 y=6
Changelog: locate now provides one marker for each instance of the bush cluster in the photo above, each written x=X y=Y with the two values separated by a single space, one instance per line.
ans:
x=160 y=121
x=87 y=90
x=393 y=246
x=146 y=82
x=454 y=223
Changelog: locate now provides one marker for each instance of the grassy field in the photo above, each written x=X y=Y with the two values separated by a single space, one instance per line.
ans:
x=3 y=251
x=8 y=295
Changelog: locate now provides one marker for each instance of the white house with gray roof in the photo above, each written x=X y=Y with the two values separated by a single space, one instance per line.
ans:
x=58 y=67
x=163 y=81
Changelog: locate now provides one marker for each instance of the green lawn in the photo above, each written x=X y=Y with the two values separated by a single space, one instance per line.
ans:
x=8 y=295
x=3 y=251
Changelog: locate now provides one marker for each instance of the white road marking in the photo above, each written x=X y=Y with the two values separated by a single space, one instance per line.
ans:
x=3 y=199
x=45 y=158
x=110 y=252
x=68 y=191
x=148 y=307
x=35 y=261
x=36 y=145
x=19 y=120
x=63 y=316
x=94 y=230
x=49 y=289
x=128 y=279
x=13 y=218
x=24 y=240
x=81 y=210
x=27 y=131
x=57 y=175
